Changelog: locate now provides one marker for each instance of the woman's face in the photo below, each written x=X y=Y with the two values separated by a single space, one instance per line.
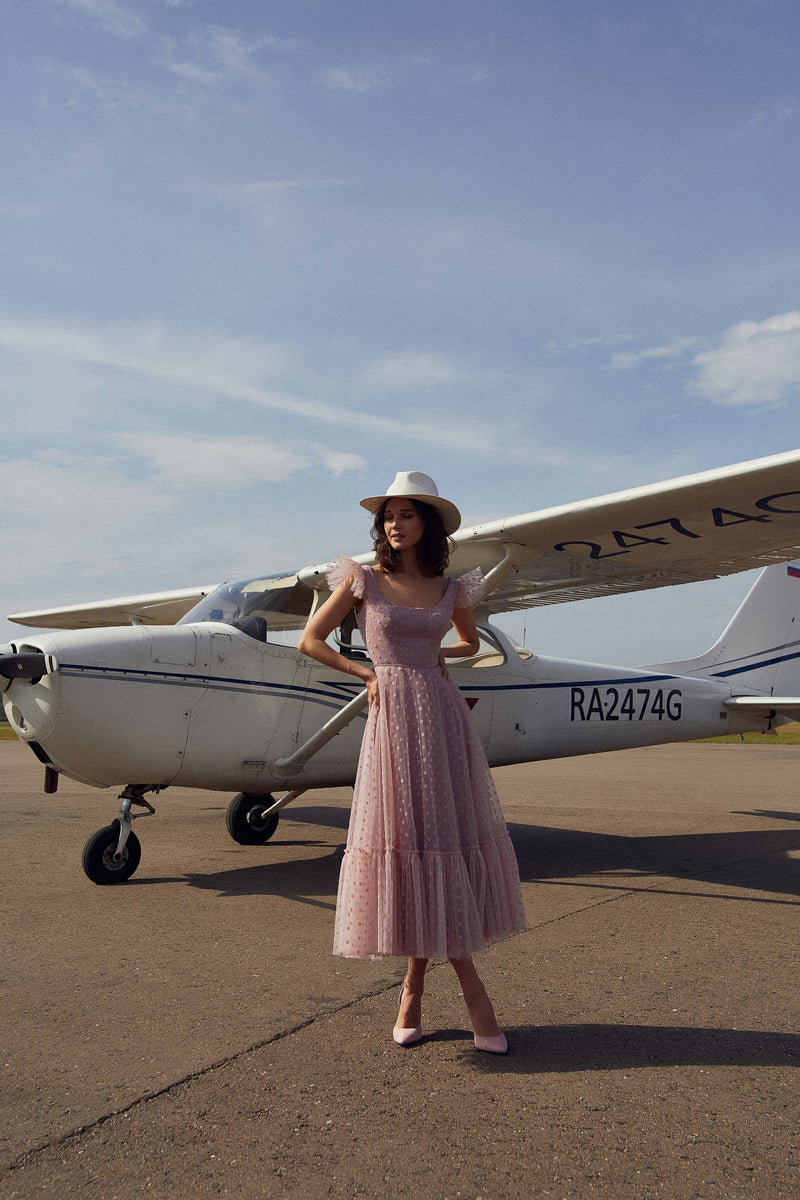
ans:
x=402 y=524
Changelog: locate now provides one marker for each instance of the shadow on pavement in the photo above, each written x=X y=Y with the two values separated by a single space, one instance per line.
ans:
x=565 y=1048
x=299 y=879
x=754 y=859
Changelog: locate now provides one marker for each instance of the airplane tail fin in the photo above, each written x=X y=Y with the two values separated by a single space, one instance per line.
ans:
x=759 y=652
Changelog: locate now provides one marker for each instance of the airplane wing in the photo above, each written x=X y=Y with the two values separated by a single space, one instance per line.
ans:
x=683 y=530
x=697 y=527
x=153 y=608
x=766 y=706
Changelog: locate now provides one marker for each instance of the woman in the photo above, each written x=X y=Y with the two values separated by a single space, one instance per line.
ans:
x=429 y=870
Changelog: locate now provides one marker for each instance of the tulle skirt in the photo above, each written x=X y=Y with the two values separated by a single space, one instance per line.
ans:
x=429 y=870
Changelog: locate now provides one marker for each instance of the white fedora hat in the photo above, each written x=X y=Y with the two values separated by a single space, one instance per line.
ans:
x=415 y=485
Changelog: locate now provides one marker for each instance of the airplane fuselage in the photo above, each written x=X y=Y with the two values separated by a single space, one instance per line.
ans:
x=206 y=706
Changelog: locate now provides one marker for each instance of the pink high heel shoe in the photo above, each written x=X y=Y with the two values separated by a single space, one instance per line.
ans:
x=403 y=1036
x=493 y=1045
x=406 y=1037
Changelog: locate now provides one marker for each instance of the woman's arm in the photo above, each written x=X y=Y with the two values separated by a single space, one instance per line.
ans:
x=313 y=638
x=468 y=639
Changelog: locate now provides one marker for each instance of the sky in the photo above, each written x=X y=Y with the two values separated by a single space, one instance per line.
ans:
x=257 y=257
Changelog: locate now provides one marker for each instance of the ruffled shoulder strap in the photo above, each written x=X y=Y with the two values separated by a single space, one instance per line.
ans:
x=471 y=588
x=340 y=568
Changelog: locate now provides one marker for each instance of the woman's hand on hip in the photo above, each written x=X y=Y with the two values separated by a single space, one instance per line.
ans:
x=371 y=684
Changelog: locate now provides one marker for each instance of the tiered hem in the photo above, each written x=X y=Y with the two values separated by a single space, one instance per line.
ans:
x=428 y=905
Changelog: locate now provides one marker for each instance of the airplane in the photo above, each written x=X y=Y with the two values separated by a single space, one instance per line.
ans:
x=196 y=688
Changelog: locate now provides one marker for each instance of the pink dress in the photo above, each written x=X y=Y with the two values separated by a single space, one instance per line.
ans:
x=429 y=870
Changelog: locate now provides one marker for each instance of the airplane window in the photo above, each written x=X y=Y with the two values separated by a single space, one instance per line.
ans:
x=254 y=627
x=349 y=641
x=490 y=652
x=521 y=651
x=284 y=606
x=223 y=604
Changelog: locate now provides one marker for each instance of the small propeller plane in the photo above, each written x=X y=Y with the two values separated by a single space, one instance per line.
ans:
x=193 y=688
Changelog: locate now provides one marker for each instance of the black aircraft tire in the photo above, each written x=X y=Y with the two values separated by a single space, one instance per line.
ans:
x=244 y=820
x=99 y=863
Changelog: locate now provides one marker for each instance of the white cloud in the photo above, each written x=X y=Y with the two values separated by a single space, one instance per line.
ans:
x=228 y=463
x=258 y=186
x=72 y=519
x=354 y=79
x=221 y=368
x=231 y=367
x=627 y=360
x=756 y=363
x=84 y=489
x=214 y=54
x=190 y=72
x=766 y=122
x=338 y=461
x=113 y=17
x=76 y=86
x=268 y=201
x=589 y=343
x=90 y=523
x=389 y=71
x=400 y=371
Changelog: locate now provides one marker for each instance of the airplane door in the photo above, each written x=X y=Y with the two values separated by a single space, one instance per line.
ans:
x=248 y=706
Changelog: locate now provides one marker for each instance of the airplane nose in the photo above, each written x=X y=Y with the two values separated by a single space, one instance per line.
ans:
x=22 y=664
x=29 y=689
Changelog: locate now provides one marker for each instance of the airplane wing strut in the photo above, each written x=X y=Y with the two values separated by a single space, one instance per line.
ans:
x=294 y=763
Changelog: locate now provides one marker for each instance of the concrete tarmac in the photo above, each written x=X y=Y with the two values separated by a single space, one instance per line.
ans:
x=188 y=1034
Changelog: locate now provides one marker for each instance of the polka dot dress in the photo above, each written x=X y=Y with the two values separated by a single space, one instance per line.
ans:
x=429 y=870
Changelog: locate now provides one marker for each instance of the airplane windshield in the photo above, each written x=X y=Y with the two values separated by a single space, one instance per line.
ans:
x=279 y=599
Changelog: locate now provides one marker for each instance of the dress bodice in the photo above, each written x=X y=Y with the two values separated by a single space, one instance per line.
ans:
x=395 y=633
x=403 y=636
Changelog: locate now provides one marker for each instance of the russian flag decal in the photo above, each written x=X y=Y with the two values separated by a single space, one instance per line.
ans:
x=793 y=571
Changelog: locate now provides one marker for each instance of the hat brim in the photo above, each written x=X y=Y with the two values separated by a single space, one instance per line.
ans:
x=451 y=517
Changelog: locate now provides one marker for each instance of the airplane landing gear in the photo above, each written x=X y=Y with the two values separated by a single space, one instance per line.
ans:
x=248 y=819
x=112 y=854
x=101 y=861
x=252 y=819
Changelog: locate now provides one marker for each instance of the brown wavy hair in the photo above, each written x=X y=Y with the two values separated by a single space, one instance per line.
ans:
x=433 y=548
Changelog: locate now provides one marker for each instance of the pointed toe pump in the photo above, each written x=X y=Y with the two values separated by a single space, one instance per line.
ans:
x=406 y=1037
x=492 y=1045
